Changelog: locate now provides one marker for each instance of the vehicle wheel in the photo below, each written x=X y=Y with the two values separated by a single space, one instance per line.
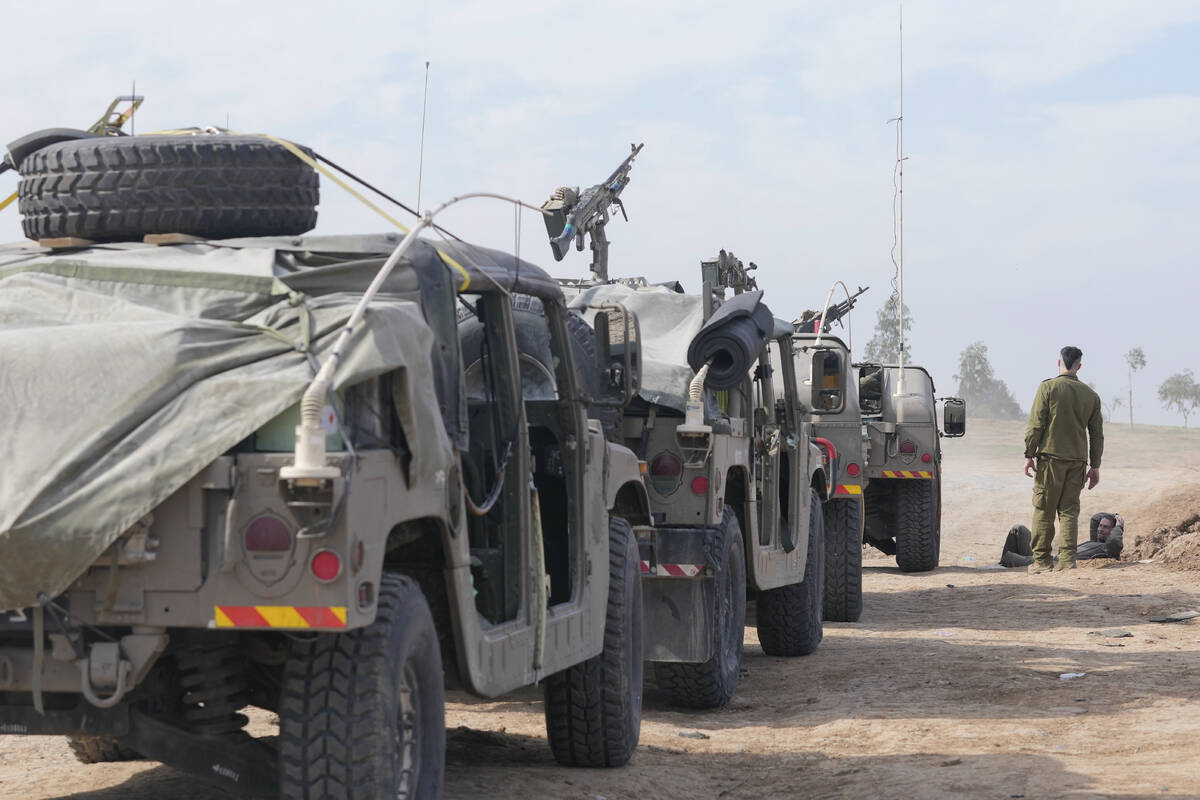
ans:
x=124 y=187
x=789 y=618
x=100 y=749
x=362 y=713
x=594 y=709
x=918 y=534
x=712 y=683
x=843 y=560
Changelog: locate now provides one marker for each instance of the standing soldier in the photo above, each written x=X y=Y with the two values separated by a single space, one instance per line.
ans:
x=1065 y=434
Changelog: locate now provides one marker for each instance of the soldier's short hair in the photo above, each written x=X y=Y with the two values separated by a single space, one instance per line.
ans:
x=1070 y=356
x=1112 y=518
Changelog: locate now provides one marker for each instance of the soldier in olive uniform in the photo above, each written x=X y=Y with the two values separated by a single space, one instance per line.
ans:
x=1065 y=434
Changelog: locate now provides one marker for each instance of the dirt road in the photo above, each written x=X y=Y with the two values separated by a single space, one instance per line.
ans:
x=950 y=686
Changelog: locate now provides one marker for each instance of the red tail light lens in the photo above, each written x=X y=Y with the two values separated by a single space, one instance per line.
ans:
x=852 y=469
x=908 y=447
x=700 y=485
x=926 y=457
x=267 y=534
x=326 y=565
x=666 y=465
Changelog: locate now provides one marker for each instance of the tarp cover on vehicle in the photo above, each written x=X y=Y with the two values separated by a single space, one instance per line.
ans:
x=669 y=321
x=126 y=369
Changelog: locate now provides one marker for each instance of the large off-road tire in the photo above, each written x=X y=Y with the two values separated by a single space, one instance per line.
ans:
x=362 y=713
x=100 y=749
x=594 y=709
x=116 y=188
x=712 y=683
x=843 y=560
x=789 y=618
x=918 y=529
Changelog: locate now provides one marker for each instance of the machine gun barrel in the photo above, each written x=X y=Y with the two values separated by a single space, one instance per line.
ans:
x=574 y=214
x=840 y=310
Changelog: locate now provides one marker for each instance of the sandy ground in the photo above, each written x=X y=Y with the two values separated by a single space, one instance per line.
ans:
x=950 y=686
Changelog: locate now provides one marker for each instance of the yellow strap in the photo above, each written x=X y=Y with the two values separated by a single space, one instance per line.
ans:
x=8 y=201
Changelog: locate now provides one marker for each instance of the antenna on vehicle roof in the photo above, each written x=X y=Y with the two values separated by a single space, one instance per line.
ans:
x=900 y=384
x=421 y=153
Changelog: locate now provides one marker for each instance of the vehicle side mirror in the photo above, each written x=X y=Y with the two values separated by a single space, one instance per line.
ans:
x=828 y=382
x=618 y=355
x=954 y=416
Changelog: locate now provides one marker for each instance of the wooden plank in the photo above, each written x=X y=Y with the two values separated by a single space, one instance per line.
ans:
x=170 y=238
x=61 y=242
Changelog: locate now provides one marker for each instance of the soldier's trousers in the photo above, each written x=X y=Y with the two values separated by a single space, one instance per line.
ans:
x=1056 y=489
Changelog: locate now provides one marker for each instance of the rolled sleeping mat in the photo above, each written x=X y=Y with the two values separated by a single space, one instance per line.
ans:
x=732 y=340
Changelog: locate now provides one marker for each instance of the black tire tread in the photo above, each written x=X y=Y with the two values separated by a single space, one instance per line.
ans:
x=333 y=733
x=789 y=617
x=843 y=560
x=594 y=709
x=121 y=188
x=712 y=683
x=918 y=538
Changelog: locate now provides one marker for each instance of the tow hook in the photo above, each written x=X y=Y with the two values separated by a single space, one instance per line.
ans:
x=104 y=670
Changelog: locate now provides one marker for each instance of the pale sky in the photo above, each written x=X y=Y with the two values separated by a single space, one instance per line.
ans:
x=1052 y=187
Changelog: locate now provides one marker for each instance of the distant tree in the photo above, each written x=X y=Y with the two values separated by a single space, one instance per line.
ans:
x=1110 y=408
x=1136 y=359
x=1181 y=393
x=884 y=346
x=987 y=396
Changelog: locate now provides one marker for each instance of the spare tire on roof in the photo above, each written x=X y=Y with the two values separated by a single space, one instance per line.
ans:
x=213 y=186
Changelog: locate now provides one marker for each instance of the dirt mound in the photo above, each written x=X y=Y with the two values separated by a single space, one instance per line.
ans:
x=1183 y=552
x=1170 y=516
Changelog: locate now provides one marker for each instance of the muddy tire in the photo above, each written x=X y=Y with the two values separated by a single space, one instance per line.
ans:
x=712 y=683
x=918 y=532
x=594 y=709
x=843 y=560
x=100 y=749
x=362 y=713
x=116 y=188
x=789 y=618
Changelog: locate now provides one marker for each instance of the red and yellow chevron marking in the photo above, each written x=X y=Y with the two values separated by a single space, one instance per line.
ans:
x=848 y=488
x=906 y=473
x=279 y=616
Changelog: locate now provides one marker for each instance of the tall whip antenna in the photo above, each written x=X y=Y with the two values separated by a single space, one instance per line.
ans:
x=421 y=155
x=900 y=384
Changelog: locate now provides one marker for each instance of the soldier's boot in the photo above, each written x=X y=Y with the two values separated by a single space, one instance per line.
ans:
x=1037 y=568
x=1062 y=566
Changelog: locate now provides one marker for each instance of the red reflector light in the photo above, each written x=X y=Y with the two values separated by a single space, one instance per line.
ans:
x=666 y=465
x=908 y=447
x=269 y=534
x=852 y=469
x=326 y=565
x=700 y=485
x=926 y=457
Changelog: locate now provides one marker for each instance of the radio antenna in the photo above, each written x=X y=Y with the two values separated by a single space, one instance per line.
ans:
x=900 y=384
x=421 y=154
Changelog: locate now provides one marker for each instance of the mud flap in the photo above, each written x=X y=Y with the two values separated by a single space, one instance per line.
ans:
x=678 y=594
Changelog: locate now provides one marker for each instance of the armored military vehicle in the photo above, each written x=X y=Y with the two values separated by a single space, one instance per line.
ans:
x=735 y=485
x=902 y=453
x=885 y=444
x=174 y=547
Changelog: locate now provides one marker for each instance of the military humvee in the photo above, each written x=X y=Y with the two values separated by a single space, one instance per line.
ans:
x=902 y=454
x=823 y=367
x=735 y=485
x=163 y=566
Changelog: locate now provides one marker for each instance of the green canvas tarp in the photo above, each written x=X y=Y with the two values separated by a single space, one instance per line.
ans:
x=126 y=369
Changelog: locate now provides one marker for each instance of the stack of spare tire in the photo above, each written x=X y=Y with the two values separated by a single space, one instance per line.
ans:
x=121 y=188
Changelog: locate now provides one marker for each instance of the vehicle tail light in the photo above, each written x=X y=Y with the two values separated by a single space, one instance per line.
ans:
x=666 y=465
x=700 y=485
x=926 y=457
x=908 y=447
x=326 y=565
x=852 y=469
x=268 y=534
